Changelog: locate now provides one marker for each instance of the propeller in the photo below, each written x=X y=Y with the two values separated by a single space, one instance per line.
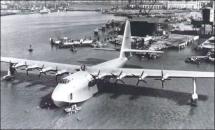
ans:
x=12 y=69
x=163 y=78
x=37 y=68
x=141 y=77
x=95 y=76
x=60 y=73
x=26 y=71
x=44 y=72
x=24 y=65
x=119 y=77
x=11 y=64
x=95 y=79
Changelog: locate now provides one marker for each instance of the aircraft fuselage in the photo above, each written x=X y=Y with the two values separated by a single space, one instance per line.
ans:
x=75 y=87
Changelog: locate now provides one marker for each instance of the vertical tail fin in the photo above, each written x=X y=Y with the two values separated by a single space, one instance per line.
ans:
x=126 y=42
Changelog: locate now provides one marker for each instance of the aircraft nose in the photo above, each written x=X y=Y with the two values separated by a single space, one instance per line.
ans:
x=59 y=95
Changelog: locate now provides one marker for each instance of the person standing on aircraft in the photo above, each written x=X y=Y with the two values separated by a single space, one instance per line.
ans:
x=147 y=55
x=83 y=67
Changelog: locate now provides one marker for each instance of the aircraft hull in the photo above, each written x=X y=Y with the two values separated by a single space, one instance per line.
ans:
x=76 y=90
x=81 y=96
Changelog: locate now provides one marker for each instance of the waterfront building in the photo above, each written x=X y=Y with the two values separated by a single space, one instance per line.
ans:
x=184 y=4
x=169 y=4
x=3 y=5
x=153 y=6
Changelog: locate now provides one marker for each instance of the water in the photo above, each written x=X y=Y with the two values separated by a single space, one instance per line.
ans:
x=148 y=106
x=23 y=30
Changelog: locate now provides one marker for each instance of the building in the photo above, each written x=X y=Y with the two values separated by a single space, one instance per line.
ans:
x=153 y=6
x=169 y=4
x=184 y=4
x=208 y=15
x=3 y=5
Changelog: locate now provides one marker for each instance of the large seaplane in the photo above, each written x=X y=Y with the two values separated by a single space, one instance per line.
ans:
x=81 y=82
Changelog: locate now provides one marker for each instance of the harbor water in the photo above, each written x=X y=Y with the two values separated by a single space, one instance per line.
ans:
x=120 y=106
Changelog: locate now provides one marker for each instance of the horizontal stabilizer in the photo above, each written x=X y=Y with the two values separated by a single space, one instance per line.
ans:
x=105 y=49
x=142 y=51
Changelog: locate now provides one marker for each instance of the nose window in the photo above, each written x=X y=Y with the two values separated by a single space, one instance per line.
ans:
x=64 y=81
x=71 y=96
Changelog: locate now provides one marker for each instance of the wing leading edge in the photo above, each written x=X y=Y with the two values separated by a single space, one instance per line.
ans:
x=153 y=73
x=59 y=66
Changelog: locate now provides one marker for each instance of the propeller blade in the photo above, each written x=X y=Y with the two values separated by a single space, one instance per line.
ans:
x=113 y=75
x=98 y=73
x=162 y=82
x=42 y=67
x=120 y=74
x=142 y=74
x=144 y=81
x=26 y=71
x=162 y=74
x=93 y=76
x=137 y=82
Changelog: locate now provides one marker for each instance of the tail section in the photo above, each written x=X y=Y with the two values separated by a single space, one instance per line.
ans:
x=126 y=43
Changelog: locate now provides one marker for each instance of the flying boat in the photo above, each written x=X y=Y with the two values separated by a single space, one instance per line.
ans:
x=80 y=84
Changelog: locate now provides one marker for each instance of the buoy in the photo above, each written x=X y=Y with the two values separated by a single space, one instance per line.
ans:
x=30 y=49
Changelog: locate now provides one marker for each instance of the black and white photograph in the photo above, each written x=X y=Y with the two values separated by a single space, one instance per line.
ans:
x=107 y=64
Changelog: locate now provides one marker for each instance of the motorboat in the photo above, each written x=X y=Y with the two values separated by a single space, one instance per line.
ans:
x=44 y=10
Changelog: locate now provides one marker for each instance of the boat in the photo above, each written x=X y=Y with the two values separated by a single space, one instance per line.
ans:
x=211 y=56
x=86 y=42
x=192 y=60
x=44 y=10
x=211 y=59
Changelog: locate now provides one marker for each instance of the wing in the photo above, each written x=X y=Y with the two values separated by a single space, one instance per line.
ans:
x=152 y=73
x=42 y=64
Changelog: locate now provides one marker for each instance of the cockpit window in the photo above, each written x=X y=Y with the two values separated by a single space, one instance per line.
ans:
x=83 y=67
x=71 y=96
x=64 y=81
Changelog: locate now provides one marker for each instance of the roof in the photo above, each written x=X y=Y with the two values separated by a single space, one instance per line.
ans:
x=149 y=19
x=151 y=3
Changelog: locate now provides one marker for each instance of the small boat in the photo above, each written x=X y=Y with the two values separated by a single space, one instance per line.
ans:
x=44 y=10
x=72 y=109
x=73 y=49
x=30 y=49
x=192 y=60
x=211 y=59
